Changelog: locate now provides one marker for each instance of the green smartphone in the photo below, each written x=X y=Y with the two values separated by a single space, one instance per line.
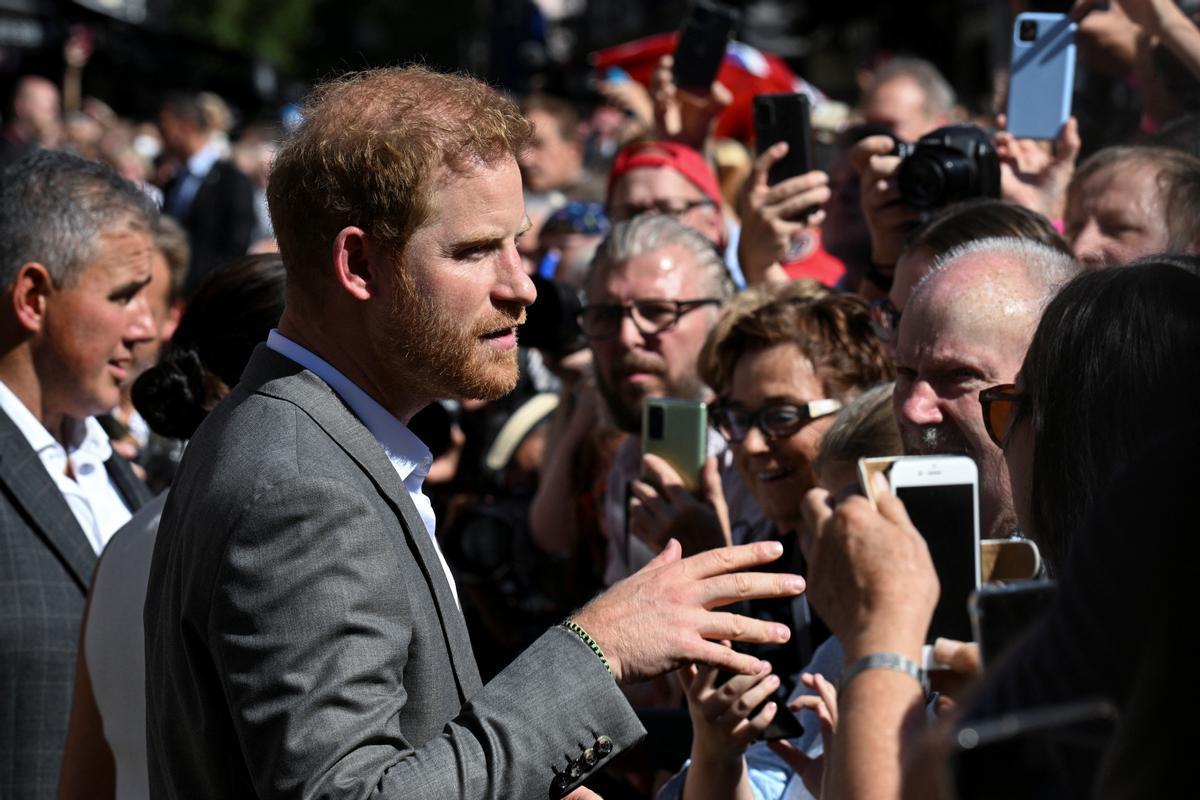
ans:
x=677 y=432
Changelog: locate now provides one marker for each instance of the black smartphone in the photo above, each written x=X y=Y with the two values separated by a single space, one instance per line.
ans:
x=784 y=725
x=1000 y=615
x=702 y=39
x=1048 y=752
x=784 y=118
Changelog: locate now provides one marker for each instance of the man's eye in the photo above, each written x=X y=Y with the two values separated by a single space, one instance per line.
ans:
x=656 y=312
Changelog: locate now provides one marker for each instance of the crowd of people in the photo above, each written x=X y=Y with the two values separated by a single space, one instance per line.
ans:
x=323 y=473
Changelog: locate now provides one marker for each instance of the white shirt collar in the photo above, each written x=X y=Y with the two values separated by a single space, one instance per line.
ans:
x=408 y=454
x=87 y=436
x=203 y=159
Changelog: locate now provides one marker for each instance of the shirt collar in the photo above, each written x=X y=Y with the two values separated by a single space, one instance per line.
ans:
x=203 y=159
x=87 y=437
x=408 y=454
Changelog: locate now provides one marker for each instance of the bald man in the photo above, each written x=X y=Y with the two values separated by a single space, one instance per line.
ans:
x=966 y=327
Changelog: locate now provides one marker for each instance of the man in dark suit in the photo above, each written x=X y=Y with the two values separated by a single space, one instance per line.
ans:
x=209 y=196
x=303 y=636
x=75 y=256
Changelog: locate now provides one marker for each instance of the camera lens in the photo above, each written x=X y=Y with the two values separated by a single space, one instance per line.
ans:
x=923 y=180
x=1028 y=31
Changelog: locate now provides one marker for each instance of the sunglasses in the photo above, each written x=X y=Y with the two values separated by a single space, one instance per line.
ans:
x=1001 y=405
x=776 y=421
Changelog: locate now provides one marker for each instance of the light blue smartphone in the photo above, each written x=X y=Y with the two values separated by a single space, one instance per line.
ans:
x=1042 y=77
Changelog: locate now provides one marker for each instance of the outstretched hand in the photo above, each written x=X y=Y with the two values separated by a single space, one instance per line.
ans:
x=681 y=116
x=1033 y=177
x=722 y=727
x=661 y=617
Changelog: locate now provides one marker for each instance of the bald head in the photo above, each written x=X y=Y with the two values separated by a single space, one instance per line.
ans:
x=965 y=328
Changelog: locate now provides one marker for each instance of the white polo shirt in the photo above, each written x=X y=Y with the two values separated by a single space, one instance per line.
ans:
x=91 y=494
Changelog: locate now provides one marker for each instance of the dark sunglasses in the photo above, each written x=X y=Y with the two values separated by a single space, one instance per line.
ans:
x=776 y=421
x=1000 y=405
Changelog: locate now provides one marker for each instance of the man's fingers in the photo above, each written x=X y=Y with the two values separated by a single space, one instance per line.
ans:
x=783 y=190
x=717 y=625
x=861 y=153
x=793 y=206
x=754 y=695
x=662 y=472
x=731 y=559
x=892 y=509
x=1069 y=142
x=721 y=590
x=671 y=552
x=730 y=660
x=763 y=163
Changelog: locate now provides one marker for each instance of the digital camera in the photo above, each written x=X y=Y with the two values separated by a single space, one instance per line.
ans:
x=951 y=164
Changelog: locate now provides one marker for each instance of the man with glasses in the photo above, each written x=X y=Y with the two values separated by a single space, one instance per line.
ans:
x=656 y=290
x=965 y=328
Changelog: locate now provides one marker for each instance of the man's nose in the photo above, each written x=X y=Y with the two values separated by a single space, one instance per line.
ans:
x=919 y=405
x=513 y=284
x=1088 y=244
x=139 y=321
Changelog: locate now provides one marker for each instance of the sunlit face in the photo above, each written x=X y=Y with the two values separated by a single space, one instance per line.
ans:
x=632 y=366
x=163 y=320
x=1117 y=215
x=900 y=105
x=778 y=472
x=85 y=349
x=451 y=332
x=664 y=190
x=551 y=161
x=967 y=331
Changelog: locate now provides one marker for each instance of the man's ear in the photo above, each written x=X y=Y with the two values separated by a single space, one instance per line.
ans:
x=30 y=292
x=355 y=268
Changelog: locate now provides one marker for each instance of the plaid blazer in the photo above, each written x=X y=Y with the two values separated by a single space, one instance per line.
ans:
x=46 y=565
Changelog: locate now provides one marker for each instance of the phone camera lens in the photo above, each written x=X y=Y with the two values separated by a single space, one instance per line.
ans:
x=1029 y=30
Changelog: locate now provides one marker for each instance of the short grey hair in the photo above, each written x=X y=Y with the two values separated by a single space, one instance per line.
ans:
x=939 y=94
x=1045 y=268
x=53 y=207
x=865 y=428
x=651 y=231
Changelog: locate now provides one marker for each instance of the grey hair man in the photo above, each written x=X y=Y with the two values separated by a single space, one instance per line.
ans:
x=75 y=259
x=966 y=327
x=910 y=96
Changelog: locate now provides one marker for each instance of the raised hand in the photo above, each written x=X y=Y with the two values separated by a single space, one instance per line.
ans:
x=680 y=115
x=1033 y=177
x=661 y=617
x=888 y=218
x=664 y=509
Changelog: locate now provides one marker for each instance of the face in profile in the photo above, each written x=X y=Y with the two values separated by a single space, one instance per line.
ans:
x=1116 y=215
x=93 y=324
x=777 y=470
x=461 y=291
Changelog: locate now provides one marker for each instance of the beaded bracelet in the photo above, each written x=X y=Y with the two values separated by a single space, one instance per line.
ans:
x=574 y=628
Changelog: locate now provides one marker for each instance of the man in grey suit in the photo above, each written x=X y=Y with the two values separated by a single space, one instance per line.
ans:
x=75 y=258
x=303 y=635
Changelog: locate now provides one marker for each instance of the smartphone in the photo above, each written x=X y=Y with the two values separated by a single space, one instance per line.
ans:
x=1046 y=752
x=1042 y=77
x=941 y=494
x=1000 y=615
x=784 y=118
x=677 y=432
x=784 y=725
x=702 y=39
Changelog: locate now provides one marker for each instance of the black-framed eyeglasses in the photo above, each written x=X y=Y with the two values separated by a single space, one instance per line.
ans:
x=669 y=207
x=1000 y=405
x=776 y=420
x=650 y=317
x=885 y=320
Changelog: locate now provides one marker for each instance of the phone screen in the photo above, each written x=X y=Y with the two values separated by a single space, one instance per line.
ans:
x=944 y=515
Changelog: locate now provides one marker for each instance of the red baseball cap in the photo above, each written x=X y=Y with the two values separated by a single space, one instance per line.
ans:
x=679 y=157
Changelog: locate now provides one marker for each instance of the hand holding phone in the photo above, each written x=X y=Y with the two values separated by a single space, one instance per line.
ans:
x=784 y=118
x=677 y=432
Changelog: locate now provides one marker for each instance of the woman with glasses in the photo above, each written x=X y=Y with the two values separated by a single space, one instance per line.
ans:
x=781 y=372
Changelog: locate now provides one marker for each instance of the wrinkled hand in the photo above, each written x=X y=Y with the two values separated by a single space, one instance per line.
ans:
x=681 y=116
x=1034 y=178
x=721 y=723
x=888 y=218
x=772 y=215
x=870 y=575
x=664 y=509
x=661 y=617
x=824 y=703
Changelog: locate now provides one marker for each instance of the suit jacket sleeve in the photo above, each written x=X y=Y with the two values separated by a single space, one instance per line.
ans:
x=306 y=596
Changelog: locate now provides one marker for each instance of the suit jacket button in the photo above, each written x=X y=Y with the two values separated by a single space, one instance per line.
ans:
x=604 y=745
x=574 y=771
x=589 y=758
x=558 y=786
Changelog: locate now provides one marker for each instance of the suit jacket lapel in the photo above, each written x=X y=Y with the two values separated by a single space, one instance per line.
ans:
x=273 y=374
x=25 y=480
x=129 y=486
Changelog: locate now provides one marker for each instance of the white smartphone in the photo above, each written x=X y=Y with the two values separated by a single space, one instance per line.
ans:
x=941 y=495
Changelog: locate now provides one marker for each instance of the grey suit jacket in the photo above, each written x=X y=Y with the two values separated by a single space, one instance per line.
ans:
x=302 y=639
x=46 y=564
